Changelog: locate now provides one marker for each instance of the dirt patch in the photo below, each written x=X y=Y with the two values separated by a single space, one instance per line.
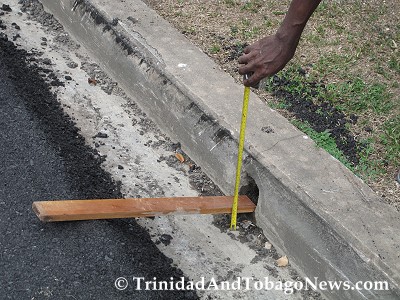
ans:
x=321 y=117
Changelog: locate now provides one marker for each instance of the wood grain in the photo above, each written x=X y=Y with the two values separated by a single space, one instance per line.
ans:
x=74 y=210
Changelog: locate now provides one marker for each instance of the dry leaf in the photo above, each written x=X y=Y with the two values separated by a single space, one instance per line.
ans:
x=282 y=262
x=180 y=157
x=92 y=81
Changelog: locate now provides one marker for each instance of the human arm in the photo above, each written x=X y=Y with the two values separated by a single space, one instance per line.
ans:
x=270 y=54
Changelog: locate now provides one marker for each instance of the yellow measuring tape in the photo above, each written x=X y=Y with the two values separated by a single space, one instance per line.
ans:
x=240 y=156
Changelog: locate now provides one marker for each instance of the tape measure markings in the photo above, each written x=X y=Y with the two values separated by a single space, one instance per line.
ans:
x=240 y=156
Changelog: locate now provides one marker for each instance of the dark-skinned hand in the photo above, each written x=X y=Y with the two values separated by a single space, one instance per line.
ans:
x=265 y=58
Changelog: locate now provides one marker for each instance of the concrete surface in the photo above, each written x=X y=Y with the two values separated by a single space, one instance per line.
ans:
x=327 y=220
x=138 y=155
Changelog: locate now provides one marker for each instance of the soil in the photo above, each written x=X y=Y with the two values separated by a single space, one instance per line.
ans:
x=321 y=117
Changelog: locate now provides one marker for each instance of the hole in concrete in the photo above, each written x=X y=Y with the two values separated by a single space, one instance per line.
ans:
x=250 y=190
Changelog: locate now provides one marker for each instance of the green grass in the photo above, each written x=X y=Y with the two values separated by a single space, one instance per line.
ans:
x=234 y=30
x=230 y=3
x=246 y=22
x=252 y=6
x=251 y=32
x=368 y=168
x=279 y=13
x=268 y=23
x=391 y=140
x=215 y=49
x=278 y=105
x=339 y=64
x=356 y=96
x=394 y=64
x=246 y=30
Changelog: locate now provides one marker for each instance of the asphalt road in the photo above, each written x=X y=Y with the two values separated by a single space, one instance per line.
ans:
x=43 y=157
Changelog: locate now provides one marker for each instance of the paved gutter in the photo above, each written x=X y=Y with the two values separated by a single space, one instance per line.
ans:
x=328 y=221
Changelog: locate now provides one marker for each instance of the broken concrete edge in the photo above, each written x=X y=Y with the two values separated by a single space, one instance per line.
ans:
x=310 y=206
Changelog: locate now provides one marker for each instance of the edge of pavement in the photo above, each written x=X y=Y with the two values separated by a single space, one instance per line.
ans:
x=331 y=225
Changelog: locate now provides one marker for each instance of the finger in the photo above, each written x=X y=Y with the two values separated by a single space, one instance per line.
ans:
x=253 y=80
x=247 y=50
x=246 y=83
x=244 y=59
x=246 y=69
x=250 y=83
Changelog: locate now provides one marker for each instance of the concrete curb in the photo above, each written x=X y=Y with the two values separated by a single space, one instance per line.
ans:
x=310 y=206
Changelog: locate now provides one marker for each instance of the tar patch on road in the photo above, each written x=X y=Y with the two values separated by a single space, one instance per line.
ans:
x=44 y=157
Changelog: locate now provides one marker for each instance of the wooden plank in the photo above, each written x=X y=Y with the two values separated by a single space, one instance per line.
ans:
x=74 y=210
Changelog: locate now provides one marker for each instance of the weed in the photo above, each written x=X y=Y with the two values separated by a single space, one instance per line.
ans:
x=278 y=105
x=267 y=23
x=321 y=30
x=230 y=3
x=234 y=30
x=252 y=6
x=249 y=31
x=189 y=30
x=215 y=49
x=246 y=22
